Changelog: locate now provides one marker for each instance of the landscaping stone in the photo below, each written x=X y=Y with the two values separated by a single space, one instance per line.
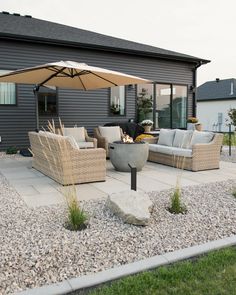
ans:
x=132 y=207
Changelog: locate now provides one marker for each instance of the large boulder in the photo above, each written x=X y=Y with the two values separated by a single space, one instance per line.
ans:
x=131 y=206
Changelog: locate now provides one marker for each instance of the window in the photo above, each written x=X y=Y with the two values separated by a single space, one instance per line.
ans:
x=7 y=92
x=163 y=106
x=117 y=100
x=47 y=101
x=179 y=106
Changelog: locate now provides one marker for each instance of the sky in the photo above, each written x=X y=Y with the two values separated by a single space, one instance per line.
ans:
x=202 y=28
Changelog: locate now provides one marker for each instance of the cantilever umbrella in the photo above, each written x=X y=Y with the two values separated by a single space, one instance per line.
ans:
x=70 y=74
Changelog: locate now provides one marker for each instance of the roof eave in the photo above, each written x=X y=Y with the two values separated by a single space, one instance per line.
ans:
x=103 y=48
x=214 y=99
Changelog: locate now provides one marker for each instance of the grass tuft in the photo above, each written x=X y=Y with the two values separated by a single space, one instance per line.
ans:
x=234 y=192
x=176 y=206
x=77 y=218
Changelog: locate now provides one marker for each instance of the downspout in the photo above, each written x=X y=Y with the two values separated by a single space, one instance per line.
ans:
x=194 y=105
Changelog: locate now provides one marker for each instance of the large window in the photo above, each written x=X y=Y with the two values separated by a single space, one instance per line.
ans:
x=7 y=92
x=47 y=101
x=117 y=101
x=169 y=104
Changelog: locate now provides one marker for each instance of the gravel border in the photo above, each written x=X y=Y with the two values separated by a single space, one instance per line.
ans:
x=36 y=249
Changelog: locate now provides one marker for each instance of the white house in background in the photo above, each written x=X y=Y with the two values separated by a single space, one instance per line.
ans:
x=214 y=99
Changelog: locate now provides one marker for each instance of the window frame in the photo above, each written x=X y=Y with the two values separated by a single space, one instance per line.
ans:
x=57 y=106
x=110 y=114
x=16 y=93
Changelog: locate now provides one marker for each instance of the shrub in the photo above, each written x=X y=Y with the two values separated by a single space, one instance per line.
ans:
x=146 y=123
x=11 y=150
x=142 y=136
x=192 y=120
x=176 y=206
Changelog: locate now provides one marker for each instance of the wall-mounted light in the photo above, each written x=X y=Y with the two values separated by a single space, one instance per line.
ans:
x=131 y=87
x=192 y=88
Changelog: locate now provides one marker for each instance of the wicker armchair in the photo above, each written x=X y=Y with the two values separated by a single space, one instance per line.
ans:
x=56 y=156
x=81 y=136
x=103 y=142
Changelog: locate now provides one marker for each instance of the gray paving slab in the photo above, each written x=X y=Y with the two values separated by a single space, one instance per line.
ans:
x=45 y=188
x=30 y=183
x=111 y=186
x=31 y=180
x=26 y=190
x=148 y=184
x=46 y=199
x=89 y=192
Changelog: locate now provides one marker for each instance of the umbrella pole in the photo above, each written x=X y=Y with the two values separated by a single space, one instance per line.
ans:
x=35 y=90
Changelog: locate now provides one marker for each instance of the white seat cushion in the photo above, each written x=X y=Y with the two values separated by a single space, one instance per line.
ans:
x=166 y=137
x=78 y=133
x=182 y=138
x=160 y=149
x=201 y=137
x=110 y=133
x=187 y=153
x=84 y=145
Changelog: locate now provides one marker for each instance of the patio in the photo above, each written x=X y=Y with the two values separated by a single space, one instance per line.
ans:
x=38 y=190
x=36 y=248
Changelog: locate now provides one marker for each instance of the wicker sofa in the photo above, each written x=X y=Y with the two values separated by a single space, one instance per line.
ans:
x=60 y=158
x=193 y=150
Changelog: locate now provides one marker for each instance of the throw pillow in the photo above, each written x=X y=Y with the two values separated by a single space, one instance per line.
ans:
x=110 y=133
x=182 y=138
x=72 y=141
x=77 y=132
x=166 y=137
x=201 y=137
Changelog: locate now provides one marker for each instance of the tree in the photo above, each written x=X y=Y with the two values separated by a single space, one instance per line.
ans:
x=232 y=116
x=145 y=104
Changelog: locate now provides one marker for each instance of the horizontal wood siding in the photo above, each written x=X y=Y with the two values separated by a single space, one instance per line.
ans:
x=88 y=109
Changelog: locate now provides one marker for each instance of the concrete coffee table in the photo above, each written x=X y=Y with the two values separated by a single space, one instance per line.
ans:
x=122 y=154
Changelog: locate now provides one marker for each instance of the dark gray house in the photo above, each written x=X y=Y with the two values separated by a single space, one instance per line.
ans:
x=214 y=100
x=26 y=42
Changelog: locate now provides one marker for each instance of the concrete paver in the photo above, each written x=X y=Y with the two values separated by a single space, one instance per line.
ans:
x=37 y=189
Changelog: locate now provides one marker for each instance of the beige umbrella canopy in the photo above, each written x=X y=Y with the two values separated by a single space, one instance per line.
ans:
x=70 y=74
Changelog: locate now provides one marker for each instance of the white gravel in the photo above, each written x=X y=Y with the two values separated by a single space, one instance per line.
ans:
x=35 y=248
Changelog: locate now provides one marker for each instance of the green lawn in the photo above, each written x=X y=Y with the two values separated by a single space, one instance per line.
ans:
x=212 y=274
x=226 y=139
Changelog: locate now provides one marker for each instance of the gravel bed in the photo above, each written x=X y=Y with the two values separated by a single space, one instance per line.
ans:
x=3 y=155
x=35 y=248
